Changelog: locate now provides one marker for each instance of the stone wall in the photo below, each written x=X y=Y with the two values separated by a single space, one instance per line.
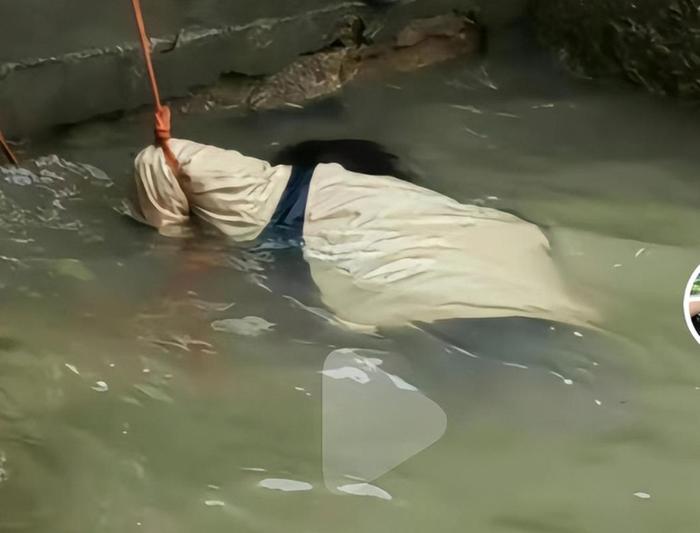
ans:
x=63 y=61
x=652 y=43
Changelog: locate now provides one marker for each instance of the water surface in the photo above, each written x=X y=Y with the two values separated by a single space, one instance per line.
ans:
x=123 y=409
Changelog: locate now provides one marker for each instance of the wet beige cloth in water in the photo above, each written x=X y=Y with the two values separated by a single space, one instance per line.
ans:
x=235 y=193
x=382 y=251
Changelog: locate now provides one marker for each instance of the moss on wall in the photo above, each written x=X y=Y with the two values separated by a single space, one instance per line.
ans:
x=653 y=43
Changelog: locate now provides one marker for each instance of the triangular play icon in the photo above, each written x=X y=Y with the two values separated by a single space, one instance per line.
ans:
x=372 y=420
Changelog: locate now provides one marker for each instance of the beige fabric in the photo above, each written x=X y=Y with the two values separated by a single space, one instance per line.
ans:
x=235 y=193
x=386 y=252
x=381 y=251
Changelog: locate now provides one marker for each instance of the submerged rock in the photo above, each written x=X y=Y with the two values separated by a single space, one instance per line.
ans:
x=651 y=43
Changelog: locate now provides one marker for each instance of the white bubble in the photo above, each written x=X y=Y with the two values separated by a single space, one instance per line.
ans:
x=347 y=372
x=401 y=384
x=370 y=363
x=100 y=386
x=365 y=489
x=566 y=381
x=285 y=485
x=514 y=365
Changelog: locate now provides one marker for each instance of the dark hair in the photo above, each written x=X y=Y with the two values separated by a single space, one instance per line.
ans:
x=356 y=155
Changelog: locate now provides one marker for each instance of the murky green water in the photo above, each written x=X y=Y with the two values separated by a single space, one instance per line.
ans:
x=123 y=409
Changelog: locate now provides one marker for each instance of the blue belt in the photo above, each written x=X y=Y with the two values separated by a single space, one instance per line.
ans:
x=287 y=222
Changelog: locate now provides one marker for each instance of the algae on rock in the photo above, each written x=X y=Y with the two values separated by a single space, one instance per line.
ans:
x=653 y=43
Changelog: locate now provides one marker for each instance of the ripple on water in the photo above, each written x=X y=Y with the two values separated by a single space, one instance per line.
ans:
x=154 y=393
x=37 y=196
x=250 y=326
x=3 y=471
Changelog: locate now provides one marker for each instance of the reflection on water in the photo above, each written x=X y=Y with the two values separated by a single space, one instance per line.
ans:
x=175 y=385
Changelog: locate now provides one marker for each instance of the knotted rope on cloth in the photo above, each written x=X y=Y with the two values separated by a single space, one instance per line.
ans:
x=162 y=113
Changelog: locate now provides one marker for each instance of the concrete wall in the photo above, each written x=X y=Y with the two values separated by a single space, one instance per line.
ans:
x=45 y=28
x=63 y=61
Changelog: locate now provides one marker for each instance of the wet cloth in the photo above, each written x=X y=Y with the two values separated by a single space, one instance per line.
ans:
x=235 y=193
x=381 y=251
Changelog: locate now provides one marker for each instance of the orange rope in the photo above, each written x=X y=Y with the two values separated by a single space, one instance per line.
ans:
x=8 y=151
x=162 y=113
